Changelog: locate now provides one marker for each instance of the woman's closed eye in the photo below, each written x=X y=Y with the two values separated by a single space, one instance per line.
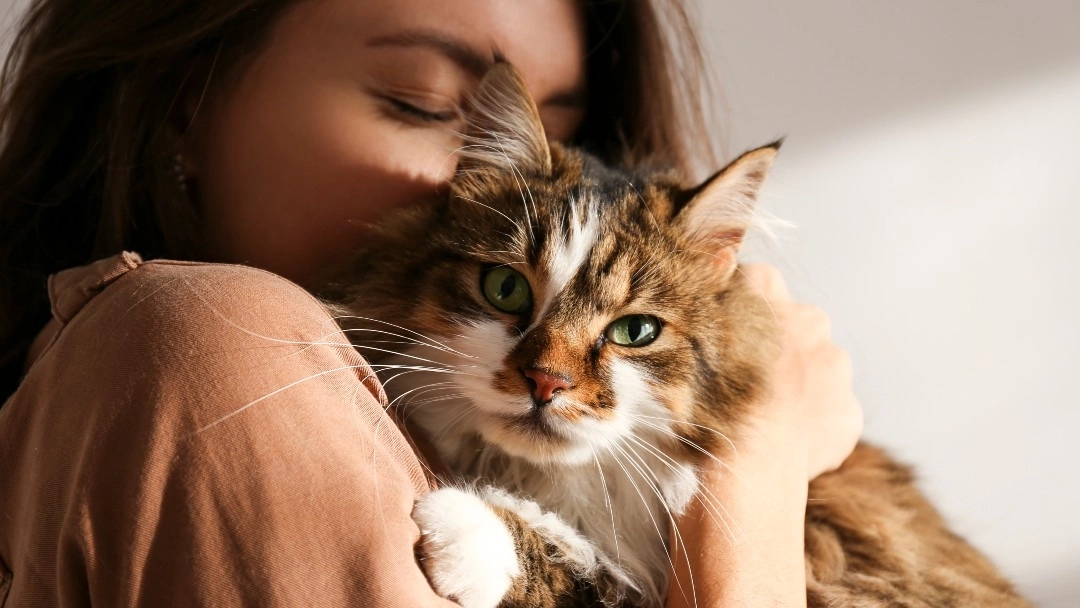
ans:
x=414 y=112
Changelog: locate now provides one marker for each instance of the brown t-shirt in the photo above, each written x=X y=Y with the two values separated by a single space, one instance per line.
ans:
x=202 y=435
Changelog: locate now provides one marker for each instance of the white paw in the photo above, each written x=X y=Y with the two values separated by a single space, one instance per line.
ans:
x=466 y=550
x=576 y=548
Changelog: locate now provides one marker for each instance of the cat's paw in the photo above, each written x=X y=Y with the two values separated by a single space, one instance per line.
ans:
x=466 y=550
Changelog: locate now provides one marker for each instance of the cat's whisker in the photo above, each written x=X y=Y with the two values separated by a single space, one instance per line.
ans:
x=693 y=424
x=468 y=410
x=405 y=329
x=413 y=391
x=431 y=388
x=520 y=181
x=404 y=339
x=440 y=399
x=376 y=351
x=607 y=502
x=693 y=445
x=258 y=400
x=419 y=368
x=489 y=207
x=713 y=504
x=678 y=535
x=619 y=445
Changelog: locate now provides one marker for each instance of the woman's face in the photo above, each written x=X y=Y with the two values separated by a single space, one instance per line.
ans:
x=349 y=110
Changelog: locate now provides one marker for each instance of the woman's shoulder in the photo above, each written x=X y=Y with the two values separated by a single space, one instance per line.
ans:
x=195 y=338
x=189 y=290
x=161 y=317
x=166 y=297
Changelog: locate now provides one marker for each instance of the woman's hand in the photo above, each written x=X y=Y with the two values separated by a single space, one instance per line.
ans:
x=812 y=410
x=740 y=542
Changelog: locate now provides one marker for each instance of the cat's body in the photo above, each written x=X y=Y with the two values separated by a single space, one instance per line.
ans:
x=575 y=341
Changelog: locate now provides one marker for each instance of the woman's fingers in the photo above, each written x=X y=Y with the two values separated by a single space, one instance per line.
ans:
x=812 y=402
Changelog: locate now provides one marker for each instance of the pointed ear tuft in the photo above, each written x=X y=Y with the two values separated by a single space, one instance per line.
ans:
x=721 y=209
x=503 y=131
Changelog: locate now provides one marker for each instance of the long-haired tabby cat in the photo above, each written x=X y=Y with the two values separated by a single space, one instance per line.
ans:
x=574 y=340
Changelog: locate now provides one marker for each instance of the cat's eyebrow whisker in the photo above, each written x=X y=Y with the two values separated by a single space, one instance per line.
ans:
x=517 y=253
x=489 y=207
x=519 y=180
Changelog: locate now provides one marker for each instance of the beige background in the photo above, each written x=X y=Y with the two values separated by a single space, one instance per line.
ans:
x=931 y=169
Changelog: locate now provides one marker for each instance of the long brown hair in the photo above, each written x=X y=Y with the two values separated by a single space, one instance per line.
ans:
x=88 y=129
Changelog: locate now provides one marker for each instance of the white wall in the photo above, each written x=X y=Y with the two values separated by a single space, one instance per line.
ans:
x=931 y=166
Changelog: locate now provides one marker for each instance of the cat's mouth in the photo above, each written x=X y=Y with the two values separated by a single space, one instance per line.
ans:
x=534 y=425
x=537 y=437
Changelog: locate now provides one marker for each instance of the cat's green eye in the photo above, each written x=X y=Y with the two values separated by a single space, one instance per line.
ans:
x=634 y=330
x=507 y=290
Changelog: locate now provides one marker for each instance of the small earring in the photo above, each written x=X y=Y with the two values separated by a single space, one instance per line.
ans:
x=178 y=171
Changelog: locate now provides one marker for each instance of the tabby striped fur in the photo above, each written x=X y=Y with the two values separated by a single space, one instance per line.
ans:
x=591 y=479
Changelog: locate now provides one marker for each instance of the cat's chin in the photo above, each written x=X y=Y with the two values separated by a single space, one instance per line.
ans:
x=537 y=444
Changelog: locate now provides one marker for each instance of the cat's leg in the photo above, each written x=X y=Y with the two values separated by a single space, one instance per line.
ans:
x=485 y=548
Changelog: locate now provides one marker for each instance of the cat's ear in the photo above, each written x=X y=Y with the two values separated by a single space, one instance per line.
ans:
x=720 y=211
x=503 y=133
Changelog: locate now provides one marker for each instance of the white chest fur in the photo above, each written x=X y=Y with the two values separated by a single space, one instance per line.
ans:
x=622 y=501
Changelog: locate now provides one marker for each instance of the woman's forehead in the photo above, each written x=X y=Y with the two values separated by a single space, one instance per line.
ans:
x=544 y=39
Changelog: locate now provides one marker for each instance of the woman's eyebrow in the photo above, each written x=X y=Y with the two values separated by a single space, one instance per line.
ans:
x=455 y=49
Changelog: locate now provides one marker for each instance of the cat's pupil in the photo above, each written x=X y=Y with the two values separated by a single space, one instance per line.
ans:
x=633 y=329
x=507 y=286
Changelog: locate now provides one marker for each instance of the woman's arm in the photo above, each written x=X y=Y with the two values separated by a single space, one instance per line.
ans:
x=204 y=435
x=809 y=425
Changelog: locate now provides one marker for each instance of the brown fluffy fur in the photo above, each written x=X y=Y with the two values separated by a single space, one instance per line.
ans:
x=659 y=248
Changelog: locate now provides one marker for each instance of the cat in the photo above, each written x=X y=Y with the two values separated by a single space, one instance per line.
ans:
x=575 y=340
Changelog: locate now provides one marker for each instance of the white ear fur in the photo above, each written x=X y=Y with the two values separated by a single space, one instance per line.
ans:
x=717 y=217
x=504 y=132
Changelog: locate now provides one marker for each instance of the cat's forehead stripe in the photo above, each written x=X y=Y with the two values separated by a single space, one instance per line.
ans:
x=569 y=253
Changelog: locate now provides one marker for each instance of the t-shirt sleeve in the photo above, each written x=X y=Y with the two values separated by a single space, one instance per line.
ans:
x=237 y=451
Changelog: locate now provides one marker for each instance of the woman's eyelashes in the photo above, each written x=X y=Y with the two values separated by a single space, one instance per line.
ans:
x=416 y=113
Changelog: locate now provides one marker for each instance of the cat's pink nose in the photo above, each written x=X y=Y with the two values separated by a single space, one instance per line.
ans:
x=545 y=384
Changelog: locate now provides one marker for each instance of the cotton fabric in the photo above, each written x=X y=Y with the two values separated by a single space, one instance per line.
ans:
x=202 y=435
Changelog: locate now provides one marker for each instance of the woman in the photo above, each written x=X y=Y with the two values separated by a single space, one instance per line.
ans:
x=200 y=434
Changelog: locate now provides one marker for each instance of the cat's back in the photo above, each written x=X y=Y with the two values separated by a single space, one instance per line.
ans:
x=872 y=539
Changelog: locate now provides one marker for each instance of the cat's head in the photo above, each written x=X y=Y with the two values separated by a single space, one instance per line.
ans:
x=557 y=307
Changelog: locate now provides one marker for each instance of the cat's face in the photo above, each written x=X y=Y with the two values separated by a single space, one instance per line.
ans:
x=559 y=308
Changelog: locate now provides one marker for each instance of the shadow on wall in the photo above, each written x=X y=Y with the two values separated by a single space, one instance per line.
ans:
x=1059 y=588
x=855 y=63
